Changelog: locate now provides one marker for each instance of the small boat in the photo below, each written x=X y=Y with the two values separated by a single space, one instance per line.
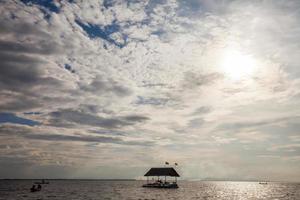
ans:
x=161 y=185
x=35 y=189
x=158 y=172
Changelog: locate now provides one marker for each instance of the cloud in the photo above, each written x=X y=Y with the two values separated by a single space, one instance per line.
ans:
x=194 y=80
x=44 y=47
x=220 y=140
x=285 y=147
x=20 y=68
x=23 y=72
x=97 y=74
x=196 y=123
x=67 y=117
x=136 y=118
x=197 y=8
x=19 y=102
x=202 y=110
x=152 y=101
x=101 y=85
x=257 y=123
x=32 y=134
x=21 y=29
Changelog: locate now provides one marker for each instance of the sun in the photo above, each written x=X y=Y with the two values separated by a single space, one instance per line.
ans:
x=237 y=65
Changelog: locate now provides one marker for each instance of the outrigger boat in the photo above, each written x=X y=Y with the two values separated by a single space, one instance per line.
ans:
x=158 y=172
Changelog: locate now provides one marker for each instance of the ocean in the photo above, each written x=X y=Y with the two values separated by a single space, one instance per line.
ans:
x=99 y=189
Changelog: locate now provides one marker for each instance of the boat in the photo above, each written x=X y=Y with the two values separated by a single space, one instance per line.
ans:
x=35 y=189
x=159 y=183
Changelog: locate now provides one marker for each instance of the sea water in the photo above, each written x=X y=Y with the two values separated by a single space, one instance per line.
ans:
x=97 y=189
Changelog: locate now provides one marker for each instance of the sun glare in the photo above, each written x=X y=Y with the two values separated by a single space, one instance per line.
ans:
x=237 y=65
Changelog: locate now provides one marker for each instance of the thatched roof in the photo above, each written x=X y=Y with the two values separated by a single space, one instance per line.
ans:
x=163 y=171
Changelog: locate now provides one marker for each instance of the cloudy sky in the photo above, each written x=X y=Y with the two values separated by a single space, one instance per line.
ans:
x=108 y=88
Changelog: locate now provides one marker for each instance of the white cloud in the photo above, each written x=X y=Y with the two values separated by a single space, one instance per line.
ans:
x=168 y=68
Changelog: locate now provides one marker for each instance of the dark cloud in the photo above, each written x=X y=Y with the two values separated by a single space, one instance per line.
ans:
x=67 y=118
x=22 y=68
x=22 y=73
x=52 y=137
x=202 y=110
x=31 y=133
x=43 y=47
x=21 y=29
x=32 y=113
x=135 y=118
x=92 y=108
x=152 y=101
x=194 y=80
x=101 y=85
x=19 y=102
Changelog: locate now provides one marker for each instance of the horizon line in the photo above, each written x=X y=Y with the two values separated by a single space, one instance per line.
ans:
x=133 y=179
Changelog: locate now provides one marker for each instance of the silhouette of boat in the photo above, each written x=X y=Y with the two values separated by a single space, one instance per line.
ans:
x=158 y=183
x=35 y=189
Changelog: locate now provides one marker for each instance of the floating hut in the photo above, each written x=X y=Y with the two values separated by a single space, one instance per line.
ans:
x=161 y=183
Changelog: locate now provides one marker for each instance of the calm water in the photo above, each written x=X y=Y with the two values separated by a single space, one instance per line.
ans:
x=90 y=190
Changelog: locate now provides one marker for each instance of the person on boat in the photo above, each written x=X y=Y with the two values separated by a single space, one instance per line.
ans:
x=39 y=187
x=33 y=189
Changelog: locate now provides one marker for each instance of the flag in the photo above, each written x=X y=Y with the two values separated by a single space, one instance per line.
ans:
x=166 y=163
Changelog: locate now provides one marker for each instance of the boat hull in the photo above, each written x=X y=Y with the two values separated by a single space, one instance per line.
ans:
x=168 y=186
x=35 y=190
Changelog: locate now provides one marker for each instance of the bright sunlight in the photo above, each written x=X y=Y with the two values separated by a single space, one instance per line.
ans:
x=237 y=65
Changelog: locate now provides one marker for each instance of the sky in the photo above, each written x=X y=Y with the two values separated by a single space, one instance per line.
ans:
x=108 y=88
